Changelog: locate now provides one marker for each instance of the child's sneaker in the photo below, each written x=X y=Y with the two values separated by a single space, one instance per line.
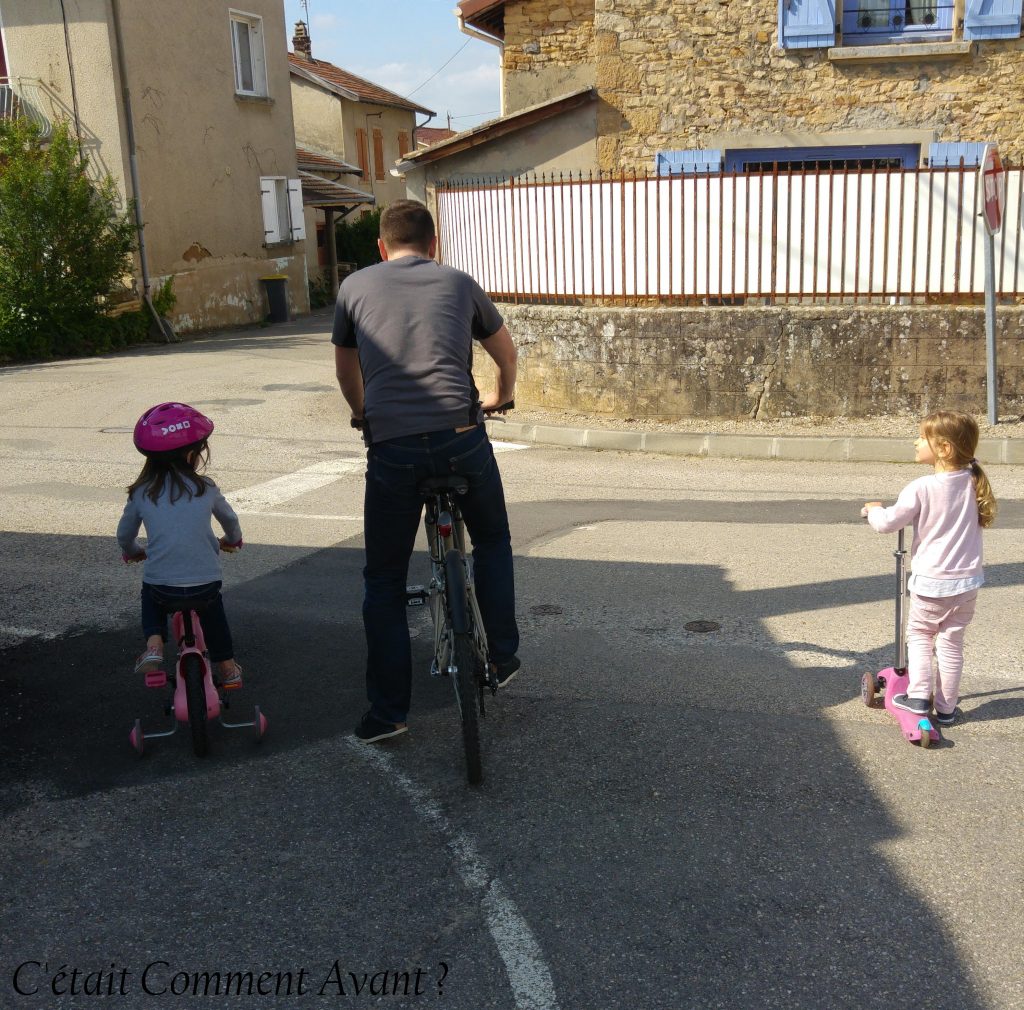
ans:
x=947 y=718
x=919 y=706
x=148 y=661
x=232 y=680
x=505 y=671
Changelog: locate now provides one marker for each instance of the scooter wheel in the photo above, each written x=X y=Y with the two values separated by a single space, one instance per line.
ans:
x=136 y=737
x=868 y=689
x=259 y=723
x=926 y=736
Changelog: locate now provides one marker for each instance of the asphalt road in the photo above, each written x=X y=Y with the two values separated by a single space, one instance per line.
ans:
x=670 y=818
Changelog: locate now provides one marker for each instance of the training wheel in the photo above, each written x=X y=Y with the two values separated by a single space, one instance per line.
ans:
x=259 y=723
x=136 y=736
x=868 y=689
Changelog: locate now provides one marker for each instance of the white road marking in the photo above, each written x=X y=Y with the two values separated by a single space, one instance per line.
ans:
x=299 y=515
x=532 y=985
x=507 y=446
x=23 y=633
x=264 y=496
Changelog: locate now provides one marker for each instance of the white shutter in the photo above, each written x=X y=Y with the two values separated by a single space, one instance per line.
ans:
x=271 y=223
x=298 y=222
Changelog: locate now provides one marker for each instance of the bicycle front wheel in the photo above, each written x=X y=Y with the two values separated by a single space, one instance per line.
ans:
x=195 y=695
x=464 y=679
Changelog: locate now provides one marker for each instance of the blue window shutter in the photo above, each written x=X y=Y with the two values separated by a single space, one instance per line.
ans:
x=807 y=24
x=687 y=162
x=992 y=19
x=943 y=155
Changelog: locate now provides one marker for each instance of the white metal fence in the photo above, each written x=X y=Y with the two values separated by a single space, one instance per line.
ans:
x=781 y=236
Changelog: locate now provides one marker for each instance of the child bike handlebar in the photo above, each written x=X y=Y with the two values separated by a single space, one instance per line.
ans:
x=226 y=546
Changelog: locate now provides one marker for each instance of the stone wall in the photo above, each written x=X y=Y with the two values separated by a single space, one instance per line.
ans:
x=710 y=74
x=547 y=50
x=760 y=362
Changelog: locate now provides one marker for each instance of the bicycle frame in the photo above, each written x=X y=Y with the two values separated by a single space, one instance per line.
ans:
x=446 y=532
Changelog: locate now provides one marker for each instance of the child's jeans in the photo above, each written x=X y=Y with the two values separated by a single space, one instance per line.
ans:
x=212 y=617
x=938 y=623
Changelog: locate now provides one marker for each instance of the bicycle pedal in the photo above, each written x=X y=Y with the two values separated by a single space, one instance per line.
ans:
x=416 y=596
x=156 y=678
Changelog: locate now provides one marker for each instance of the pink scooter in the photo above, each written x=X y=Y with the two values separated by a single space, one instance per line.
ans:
x=916 y=728
x=197 y=698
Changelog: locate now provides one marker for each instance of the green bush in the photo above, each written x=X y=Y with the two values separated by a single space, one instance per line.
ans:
x=64 y=247
x=357 y=240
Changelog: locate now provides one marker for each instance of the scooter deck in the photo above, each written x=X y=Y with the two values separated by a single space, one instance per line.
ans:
x=913 y=726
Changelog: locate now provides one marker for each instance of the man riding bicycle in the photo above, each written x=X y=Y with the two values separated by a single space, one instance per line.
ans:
x=403 y=335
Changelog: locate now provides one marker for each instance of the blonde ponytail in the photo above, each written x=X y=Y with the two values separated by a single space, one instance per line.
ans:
x=983 y=492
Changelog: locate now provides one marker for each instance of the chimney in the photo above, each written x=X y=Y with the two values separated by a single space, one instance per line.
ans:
x=301 y=42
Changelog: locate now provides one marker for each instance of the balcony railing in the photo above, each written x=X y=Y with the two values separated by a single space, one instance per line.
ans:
x=22 y=98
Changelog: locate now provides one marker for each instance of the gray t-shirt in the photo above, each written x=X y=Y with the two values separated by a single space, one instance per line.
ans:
x=413 y=322
x=181 y=549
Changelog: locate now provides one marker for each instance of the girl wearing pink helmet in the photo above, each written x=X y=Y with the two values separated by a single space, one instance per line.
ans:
x=174 y=500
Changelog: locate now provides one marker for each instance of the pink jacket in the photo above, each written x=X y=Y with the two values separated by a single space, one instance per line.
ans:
x=944 y=512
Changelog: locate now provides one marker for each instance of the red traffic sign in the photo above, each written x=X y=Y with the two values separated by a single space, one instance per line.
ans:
x=992 y=178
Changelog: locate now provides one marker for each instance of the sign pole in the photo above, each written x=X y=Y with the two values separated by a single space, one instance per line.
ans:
x=992 y=183
x=990 y=327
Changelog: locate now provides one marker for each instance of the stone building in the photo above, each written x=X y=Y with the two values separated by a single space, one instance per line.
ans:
x=685 y=85
x=187 y=108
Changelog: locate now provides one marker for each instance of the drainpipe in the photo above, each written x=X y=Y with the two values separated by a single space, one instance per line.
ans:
x=133 y=164
x=473 y=33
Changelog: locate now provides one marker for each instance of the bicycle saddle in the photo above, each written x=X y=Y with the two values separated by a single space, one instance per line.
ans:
x=431 y=485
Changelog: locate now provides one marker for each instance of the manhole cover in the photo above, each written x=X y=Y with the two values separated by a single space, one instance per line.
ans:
x=703 y=626
x=545 y=609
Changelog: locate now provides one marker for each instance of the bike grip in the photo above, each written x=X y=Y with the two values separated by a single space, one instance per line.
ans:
x=509 y=405
x=357 y=423
x=131 y=559
x=231 y=548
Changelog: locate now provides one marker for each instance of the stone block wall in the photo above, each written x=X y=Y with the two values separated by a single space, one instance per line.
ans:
x=680 y=72
x=547 y=50
x=686 y=73
x=763 y=362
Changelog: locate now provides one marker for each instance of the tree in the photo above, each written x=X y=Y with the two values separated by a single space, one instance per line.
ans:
x=65 y=245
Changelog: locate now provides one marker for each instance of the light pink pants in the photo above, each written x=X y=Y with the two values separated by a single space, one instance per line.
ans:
x=938 y=623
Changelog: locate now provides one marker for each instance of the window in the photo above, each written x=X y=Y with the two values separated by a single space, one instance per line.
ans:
x=363 y=154
x=819 y=159
x=282 y=210
x=378 y=154
x=869 y=22
x=247 y=50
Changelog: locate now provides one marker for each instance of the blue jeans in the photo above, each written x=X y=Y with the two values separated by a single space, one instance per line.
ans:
x=391 y=519
x=212 y=618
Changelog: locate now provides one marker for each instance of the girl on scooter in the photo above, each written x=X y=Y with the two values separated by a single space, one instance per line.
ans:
x=174 y=500
x=948 y=510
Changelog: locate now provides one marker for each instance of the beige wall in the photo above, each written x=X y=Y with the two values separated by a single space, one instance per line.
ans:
x=35 y=46
x=566 y=143
x=201 y=149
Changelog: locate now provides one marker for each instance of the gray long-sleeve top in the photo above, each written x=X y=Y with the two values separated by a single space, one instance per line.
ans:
x=181 y=549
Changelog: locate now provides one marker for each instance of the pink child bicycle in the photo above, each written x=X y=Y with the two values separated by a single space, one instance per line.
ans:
x=197 y=697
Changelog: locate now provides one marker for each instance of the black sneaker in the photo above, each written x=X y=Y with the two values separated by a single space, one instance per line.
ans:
x=919 y=706
x=505 y=671
x=371 y=729
x=947 y=718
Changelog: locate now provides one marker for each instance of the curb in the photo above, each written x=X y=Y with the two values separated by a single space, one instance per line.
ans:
x=991 y=451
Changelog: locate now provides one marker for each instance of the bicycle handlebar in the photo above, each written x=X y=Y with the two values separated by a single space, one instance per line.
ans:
x=359 y=423
x=225 y=546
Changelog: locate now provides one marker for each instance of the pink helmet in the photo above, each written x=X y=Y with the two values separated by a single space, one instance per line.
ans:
x=170 y=426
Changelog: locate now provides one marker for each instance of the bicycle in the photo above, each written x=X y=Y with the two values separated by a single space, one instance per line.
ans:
x=197 y=697
x=460 y=641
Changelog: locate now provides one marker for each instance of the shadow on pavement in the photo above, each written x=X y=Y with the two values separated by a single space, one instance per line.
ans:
x=674 y=840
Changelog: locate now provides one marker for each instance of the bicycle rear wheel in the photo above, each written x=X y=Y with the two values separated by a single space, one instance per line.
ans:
x=464 y=679
x=195 y=695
